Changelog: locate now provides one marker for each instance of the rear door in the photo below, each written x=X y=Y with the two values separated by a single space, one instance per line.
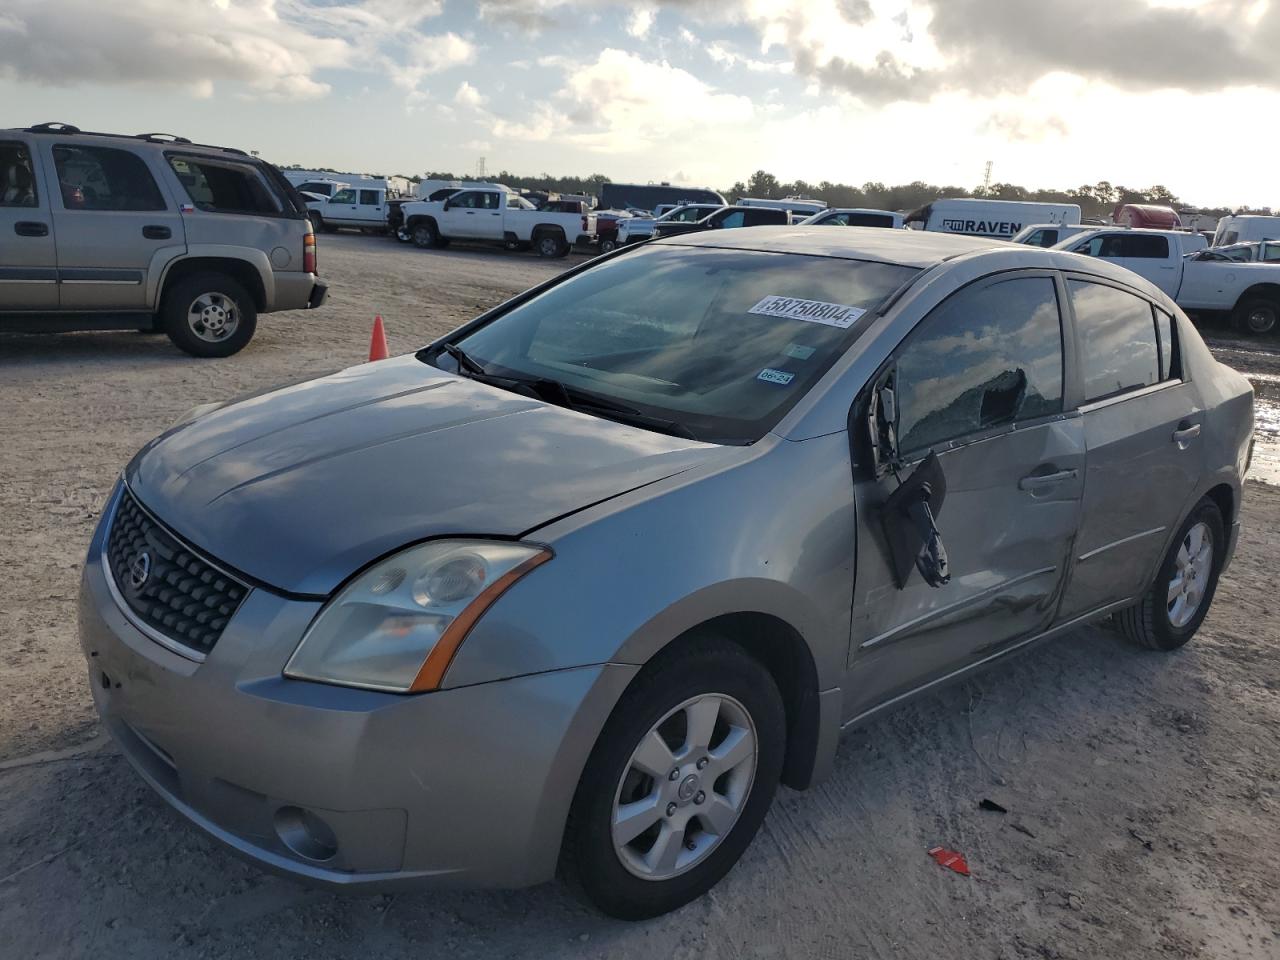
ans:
x=981 y=383
x=1142 y=423
x=28 y=259
x=115 y=224
x=371 y=207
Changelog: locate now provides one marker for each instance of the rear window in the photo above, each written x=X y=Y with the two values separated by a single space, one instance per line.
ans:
x=867 y=220
x=369 y=198
x=720 y=342
x=104 y=178
x=1120 y=350
x=220 y=187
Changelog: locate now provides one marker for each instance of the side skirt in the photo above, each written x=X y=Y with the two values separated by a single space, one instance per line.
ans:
x=964 y=672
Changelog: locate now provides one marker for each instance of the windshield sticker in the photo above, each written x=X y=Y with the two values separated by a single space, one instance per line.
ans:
x=812 y=311
x=797 y=352
x=780 y=377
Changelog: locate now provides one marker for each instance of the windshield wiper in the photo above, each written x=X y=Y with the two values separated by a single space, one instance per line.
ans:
x=464 y=359
x=555 y=392
x=615 y=410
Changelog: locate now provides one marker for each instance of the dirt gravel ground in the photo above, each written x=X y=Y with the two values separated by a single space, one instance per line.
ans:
x=1142 y=788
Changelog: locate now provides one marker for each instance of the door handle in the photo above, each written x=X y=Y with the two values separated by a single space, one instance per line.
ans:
x=1185 y=433
x=154 y=231
x=31 y=228
x=1039 y=481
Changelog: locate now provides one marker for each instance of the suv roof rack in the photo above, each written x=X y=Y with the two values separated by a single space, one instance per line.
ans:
x=52 y=126
x=162 y=138
x=67 y=129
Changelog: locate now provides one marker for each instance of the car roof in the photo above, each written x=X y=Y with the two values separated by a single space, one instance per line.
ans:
x=89 y=137
x=910 y=248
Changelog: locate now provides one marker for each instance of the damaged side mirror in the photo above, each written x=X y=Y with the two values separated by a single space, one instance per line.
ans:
x=910 y=513
x=910 y=525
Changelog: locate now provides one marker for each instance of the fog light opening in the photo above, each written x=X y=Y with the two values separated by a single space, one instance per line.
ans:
x=305 y=834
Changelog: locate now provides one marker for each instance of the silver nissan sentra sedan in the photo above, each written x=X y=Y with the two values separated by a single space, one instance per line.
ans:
x=579 y=584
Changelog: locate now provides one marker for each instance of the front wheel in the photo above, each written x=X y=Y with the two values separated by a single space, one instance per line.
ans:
x=679 y=781
x=209 y=315
x=1177 y=603
x=425 y=235
x=1257 y=316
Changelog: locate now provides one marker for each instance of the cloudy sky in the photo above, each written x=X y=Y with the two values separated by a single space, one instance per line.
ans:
x=703 y=92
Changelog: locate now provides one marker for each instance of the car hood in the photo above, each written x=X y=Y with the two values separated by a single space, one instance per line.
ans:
x=300 y=487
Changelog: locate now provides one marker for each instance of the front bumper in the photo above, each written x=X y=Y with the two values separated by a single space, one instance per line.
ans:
x=467 y=786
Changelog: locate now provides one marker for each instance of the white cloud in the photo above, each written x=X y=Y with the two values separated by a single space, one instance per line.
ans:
x=468 y=96
x=63 y=43
x=622 y=92
x=640 y=22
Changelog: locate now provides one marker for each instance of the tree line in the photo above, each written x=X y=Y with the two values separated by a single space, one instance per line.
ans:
x=1095 y=200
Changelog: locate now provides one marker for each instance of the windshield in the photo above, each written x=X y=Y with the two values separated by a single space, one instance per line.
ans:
x=718 y=344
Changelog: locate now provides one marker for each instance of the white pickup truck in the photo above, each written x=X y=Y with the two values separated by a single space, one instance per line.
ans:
x=1196 y=279
x=499 y=215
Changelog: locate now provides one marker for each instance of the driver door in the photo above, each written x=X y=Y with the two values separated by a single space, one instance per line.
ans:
x=980 y=382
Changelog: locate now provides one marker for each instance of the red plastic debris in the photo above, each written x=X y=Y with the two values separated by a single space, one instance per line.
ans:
x=950 y=859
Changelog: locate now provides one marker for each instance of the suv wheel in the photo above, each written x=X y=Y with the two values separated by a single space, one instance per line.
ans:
x=1177 y=603
x=209 y=315
x=678 y=783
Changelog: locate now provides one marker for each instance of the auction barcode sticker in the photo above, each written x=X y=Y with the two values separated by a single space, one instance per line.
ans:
x=812 y=311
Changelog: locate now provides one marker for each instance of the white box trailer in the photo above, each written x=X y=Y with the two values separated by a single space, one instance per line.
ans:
x=999 y=219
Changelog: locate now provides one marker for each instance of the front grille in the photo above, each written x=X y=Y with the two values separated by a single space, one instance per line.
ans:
x=167 y=585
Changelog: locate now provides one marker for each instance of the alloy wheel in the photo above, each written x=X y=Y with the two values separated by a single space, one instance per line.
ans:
x=1192 y=568
x=684 y=787
x=213 y=317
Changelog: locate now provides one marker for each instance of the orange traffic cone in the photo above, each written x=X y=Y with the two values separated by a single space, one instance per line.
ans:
x=378 y=343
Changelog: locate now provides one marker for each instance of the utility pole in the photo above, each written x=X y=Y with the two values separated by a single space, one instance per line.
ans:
x=986 y=179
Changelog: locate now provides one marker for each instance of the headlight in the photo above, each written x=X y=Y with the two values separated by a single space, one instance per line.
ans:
x=398 y=624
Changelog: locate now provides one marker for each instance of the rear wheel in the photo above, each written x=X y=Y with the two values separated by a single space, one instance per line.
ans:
x=1177 y=603
x=209 y=315
x=1257 y=316
x=678 y=783
x=550 y=245
x=608 y=246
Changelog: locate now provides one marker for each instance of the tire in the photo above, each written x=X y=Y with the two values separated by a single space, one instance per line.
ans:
x=1160 y=623
x=317 y=221
x=608 y=246
x=550 y=245
x=1256 y=316
x=209 y=315
x=713 y=673
x=425 y=235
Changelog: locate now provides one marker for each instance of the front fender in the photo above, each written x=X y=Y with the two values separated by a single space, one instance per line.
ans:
x=768 y=529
